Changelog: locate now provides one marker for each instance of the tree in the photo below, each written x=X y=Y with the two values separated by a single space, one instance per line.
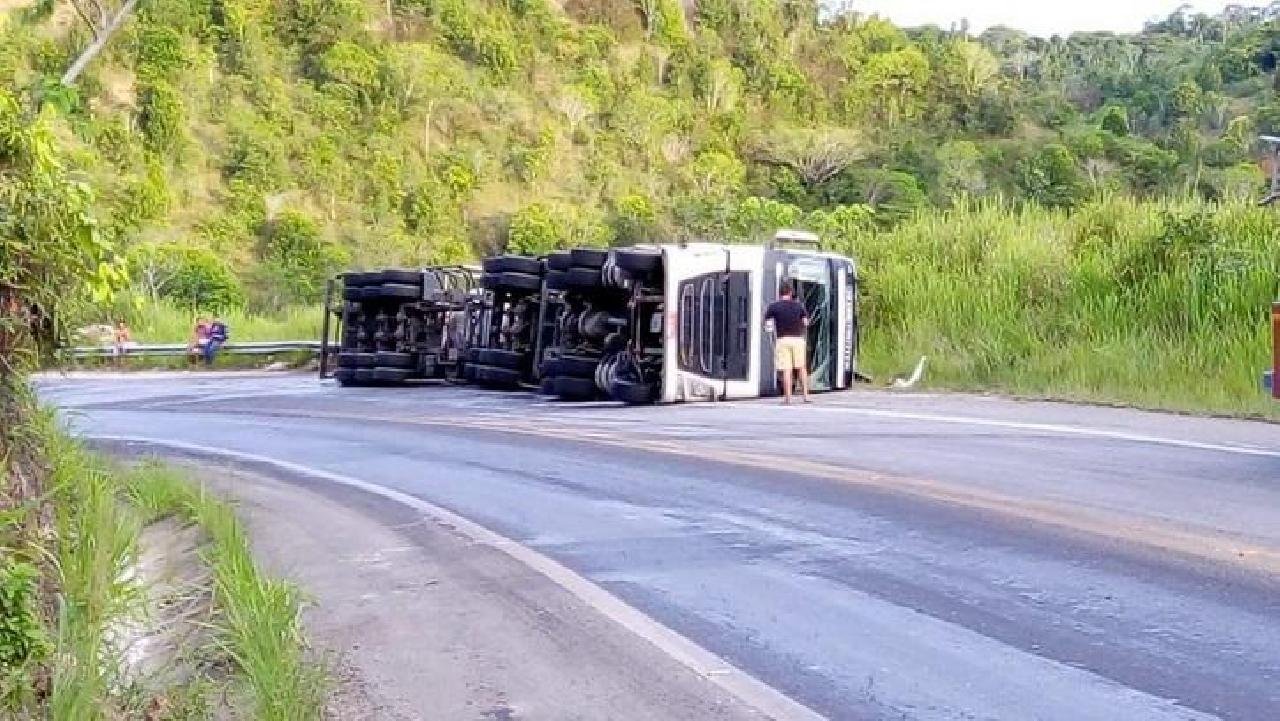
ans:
x=960 y=170
x=102 y=22
x=1053 y=178
x=188 y=275
x=817 y=155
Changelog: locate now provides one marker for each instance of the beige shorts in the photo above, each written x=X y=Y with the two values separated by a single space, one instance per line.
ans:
x=789 y=354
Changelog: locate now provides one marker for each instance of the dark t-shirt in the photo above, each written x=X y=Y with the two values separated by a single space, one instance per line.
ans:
x=788 y=318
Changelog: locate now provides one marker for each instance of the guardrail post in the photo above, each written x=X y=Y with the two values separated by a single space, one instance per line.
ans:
x=1275 y=350
x=324 y=328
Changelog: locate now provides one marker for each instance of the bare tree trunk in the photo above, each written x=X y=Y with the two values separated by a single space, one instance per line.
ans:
x=101 y=38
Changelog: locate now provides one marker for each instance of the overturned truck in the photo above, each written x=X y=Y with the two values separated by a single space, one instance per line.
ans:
x=643 y=324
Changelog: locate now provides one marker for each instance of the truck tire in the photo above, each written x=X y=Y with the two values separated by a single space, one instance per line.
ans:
x=521 y=281
x=577 y=366
x=560 y=260
x=575 y=389
x=512 y=264
x=397 y=275
x=500 y=358
x=489 y=375
x=582 y=278
x=389 y=359
x=638 y=263
x=550 y=367
x=357 y=279
x=589 y=257
x=557 y=280
x=396 y=291
x=633 y=393
x=391 y=375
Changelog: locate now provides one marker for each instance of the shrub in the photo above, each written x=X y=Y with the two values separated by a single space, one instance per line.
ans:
x=23 y=640
x=162 y=116
x=297 y=258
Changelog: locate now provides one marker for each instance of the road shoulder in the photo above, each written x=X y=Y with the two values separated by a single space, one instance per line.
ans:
x=421 y=622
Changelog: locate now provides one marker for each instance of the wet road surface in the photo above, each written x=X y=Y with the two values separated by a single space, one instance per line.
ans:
x=872 y=556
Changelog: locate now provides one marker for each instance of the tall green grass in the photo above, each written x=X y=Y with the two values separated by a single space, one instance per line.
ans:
x=164 y=322
x=1162 y=304
x=96 y=542
x=258 y=615
x=101 y=510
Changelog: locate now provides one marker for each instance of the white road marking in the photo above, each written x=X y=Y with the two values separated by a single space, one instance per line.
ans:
x=1050 y=428
x=750 y=690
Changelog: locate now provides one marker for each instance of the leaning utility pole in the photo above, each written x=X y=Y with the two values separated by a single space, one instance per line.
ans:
x=103 y=26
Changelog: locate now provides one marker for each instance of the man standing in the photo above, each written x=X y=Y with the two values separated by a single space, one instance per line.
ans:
x=791 y=325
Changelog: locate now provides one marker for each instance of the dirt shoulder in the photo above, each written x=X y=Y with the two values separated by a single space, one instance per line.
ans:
x=421 y=622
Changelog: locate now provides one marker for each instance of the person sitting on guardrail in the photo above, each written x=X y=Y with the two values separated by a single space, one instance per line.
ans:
x=121 y=342
x=217 y=338
x=199 y=339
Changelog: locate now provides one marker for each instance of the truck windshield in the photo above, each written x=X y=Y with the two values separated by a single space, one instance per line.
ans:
x=812 y=279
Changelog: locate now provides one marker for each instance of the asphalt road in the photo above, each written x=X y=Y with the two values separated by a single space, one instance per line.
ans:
x=872 y=556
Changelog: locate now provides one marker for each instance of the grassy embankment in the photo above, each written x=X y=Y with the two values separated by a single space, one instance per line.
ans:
x=101 y=510
x=1161 y=305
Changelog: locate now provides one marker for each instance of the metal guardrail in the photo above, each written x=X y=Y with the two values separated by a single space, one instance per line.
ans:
x=181 y=349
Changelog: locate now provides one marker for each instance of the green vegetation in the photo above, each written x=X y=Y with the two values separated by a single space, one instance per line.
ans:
x=239 y=151
x=1158 y=304
x=101 y=510
x=258 y=616
x=165 y=323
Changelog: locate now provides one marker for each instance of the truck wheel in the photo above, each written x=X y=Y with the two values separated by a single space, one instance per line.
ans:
x=512 y=264
x=633 y=392
x=390 y=375
x=575 y=389
x=388 y=359
x=397 y=275
x=550 y=367
x=577 y=366
x=560 y=260
x=582 y=278
x=557 y=280
x=638 y=263
x=500 y=358
x=489 y=375
x=398 y=291
x=520 y=281
x=354 y=279
x=589 y=257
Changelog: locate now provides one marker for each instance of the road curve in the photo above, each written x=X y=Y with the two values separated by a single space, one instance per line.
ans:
x=872 y=556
